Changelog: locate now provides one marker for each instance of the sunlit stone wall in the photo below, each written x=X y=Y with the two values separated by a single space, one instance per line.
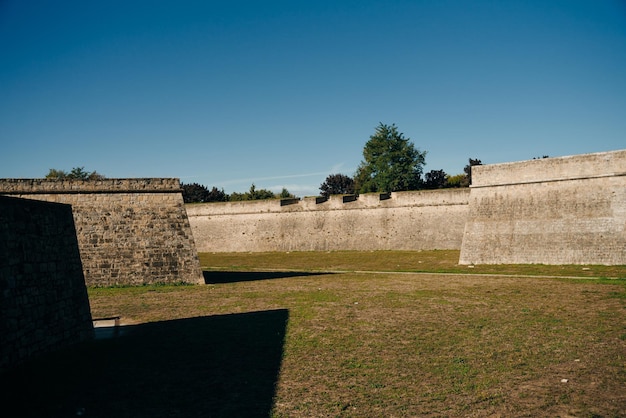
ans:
x=554 y=211
x=567 y=210
x=417 y=220
x=130 y=231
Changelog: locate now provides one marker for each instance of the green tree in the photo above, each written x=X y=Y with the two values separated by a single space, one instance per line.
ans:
x=216 y=195
x=77 y=173
x=284 y=194
x=253 y=194
x=237 y=197
x=260 y=194
x=468 y=171
x=455 y=181
x=390 y=163
x=435 y=179
x=56 y=174
x=337 y=184
x=194 y=193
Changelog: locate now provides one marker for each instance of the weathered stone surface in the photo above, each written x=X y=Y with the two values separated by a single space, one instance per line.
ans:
x=405 y=221
x=568 y=210
x=130 y=231
x=43 y=298
x=553 y=211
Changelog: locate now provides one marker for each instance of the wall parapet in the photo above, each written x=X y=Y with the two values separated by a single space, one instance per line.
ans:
x=547 y=170
x=54 y=186
x=417 y=198
x=414 y=220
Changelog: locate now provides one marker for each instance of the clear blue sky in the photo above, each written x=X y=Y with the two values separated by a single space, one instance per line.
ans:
x=284 y=93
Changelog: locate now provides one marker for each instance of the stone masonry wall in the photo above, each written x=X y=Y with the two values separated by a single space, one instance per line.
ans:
x=130 y=231
x=568 y=210
x=400 y=221
x=43 y=299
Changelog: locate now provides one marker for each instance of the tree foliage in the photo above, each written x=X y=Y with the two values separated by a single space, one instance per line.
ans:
x=195 y=193
x=435 y=179
x=217 y=195
x=77 y=173
x=284 y=194
x=337 y=184
x=390 y=162
x=468 y=171
x=455 y=181
x=253 y=194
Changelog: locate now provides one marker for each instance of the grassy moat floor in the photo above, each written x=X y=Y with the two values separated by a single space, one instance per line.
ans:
x=347 y=334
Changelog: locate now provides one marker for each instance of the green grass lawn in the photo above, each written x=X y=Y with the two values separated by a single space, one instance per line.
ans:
x=349 y=334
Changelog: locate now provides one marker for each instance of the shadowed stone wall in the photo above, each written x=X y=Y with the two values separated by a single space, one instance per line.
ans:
x=416 y=220
x=130 y=231
x=567 y=210
x=43 y=298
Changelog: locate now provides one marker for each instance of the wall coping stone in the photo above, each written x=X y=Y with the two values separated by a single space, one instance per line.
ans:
x=546 y=170
x=70 y=186
x=414 y=198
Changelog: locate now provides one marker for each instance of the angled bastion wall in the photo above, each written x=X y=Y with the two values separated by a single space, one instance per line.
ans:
x=130 y=231
x=417 y=220
x=43 y=299
x=566 y=210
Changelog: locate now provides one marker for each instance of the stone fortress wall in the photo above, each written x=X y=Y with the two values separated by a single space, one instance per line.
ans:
x=130 y=231
x=416 y=220
x=565 y=210
x=43 y=299
x=553 y=211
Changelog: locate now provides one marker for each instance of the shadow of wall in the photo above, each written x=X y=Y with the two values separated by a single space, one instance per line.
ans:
x=215 y=277
x=216 y=366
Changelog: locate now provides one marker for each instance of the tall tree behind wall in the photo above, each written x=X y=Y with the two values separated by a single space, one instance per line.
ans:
x=390 y=162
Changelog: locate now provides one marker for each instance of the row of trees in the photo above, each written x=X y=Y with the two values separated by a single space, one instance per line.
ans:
x=334 y=184
x=77 y=173
x=195 y=192
x=434 y=179
x=391 y=163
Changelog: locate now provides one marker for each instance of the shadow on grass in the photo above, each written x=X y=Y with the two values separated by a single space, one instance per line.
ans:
x=217 y=366
x=220 y=277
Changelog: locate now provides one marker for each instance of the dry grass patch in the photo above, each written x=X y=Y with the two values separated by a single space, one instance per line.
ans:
x=369 y=344
x=424 y=345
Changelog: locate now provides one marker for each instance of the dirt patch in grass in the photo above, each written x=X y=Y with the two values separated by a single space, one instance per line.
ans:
x=356 y=345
